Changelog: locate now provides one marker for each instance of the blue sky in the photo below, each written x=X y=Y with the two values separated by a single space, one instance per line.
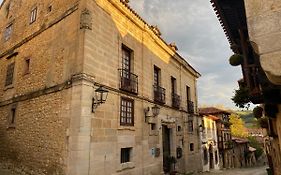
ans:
x=192 y=24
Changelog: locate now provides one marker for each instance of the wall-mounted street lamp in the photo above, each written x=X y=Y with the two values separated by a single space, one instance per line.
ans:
x=152 y=111
x=99 y=97
x=155 y=110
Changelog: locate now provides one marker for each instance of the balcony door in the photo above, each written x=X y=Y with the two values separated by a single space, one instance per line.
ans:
x=126 y=62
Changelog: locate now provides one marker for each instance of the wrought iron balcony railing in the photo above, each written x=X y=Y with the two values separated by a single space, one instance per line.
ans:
x=190 y=107
x=159 y=94
x=175 y=100
x=128 y=81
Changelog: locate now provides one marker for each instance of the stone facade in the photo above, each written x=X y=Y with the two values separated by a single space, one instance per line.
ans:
x=60 y=58
x=210 y=151
x=265 y=31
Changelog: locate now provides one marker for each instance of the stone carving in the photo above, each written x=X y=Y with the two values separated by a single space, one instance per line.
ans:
x=86 y=20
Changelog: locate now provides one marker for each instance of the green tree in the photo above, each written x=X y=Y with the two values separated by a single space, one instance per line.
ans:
x=255 y=144
x=237 y=128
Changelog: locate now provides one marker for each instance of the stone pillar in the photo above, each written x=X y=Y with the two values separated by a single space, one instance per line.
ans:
x=80 y=126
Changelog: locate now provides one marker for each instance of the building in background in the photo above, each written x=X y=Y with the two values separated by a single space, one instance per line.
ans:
x=224 y=140
x=253 y=30
x=210 y=151
x=59 y=60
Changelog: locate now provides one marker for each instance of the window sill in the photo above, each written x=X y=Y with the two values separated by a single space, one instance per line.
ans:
x=11 y=86
x=128 y=128
x=126 y=166
x=153 y=133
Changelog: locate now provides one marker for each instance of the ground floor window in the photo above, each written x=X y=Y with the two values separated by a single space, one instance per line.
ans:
x=126 y=155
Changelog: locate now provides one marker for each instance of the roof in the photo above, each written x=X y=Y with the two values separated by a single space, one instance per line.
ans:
x=232 y=16
x=140 y=18
x=212 y=110
x=212 y=117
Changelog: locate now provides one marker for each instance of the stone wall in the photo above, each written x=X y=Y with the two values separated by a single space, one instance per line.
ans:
x=265 y=31
x=114 y=25
x=37 y=142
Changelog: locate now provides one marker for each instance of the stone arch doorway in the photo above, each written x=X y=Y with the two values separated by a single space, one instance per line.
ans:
x=211 y=157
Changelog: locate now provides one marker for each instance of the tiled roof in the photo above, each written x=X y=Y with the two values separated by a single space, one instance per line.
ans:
x=212 y=110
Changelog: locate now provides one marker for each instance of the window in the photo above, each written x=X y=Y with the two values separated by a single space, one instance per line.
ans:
x=8 y=32
x=33 y=15
x=50 y=8
x=10 y=74
x=187 y=93
x=191 y=146
x=190 y=125
x=127 y=112
x=157 y=76
x=173 y=85
x=26 y=66
x=126 y=155
x=12 y=116
x=126 y=58
x=179 y=129
x=153 y=126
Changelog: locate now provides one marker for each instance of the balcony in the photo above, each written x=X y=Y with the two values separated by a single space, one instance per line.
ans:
x=159 y=94
x=175 y=100
x=190 y=107
x=128 y=81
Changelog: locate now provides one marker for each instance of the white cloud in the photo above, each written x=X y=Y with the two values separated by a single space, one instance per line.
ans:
x=194 y=26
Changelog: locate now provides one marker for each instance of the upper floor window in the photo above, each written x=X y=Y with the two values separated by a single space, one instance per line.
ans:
x=174 y=85
x=8 y=32
x=127 y=111
x=191 y=146
x=157 y=72
x=190 y=125
x=26 y=66
x=33 y=15
x=10 y=74
x=126 y=58
x=187 y=93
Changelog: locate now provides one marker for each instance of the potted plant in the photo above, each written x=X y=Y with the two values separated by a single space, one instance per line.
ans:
x=257 y=111
x=236 y=60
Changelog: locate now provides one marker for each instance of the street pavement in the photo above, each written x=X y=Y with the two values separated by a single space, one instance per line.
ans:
x=242 y=171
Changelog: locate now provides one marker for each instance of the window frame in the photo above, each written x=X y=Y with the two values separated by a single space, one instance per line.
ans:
x=126 y=155
x=156 y=76
x=125 y=112
x=33 y=15
x=8 y=32
x=10 y=72
x=190 y=126
x=191 y=147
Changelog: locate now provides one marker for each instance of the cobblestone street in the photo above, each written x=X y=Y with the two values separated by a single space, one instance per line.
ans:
x=243 y=171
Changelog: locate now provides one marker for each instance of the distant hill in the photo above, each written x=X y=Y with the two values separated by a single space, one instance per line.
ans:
x=248 y=118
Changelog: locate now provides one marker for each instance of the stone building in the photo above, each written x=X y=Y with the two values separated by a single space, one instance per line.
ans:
x=54 y=58
x=224 y=138
x=210 y=151
x=253 y=30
